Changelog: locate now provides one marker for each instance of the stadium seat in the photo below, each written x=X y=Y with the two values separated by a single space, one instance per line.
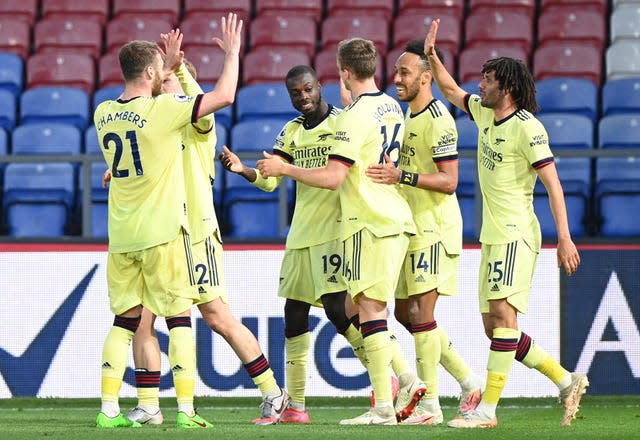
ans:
x=576 y=60
x=168 y=10
x=33 y=192
x=4 y=146
x=619 y=131
x=621 y=96
x=271 y=64
x=121 y=30
x=591 y=5
x=296 y=32
x=625 y=22
x=94 y=10
x=467 y=133
x=64 y=70
x=15 y=36
x=622 y=59
x=564 y=94
x=7 y=110
x=575 y=176
x=572 y=25
x=310 y=8
x=618 y=195
x=340 y=27
x=109 y=93
x=199 y=31
x=415 y=26
x=264 y=100
x=68 y=35
x=527 y=7
x=11 y=73
x=109 y=72
x=55 y=104
x=467 y=172
x=436 y=8
x=471 y=59
x=256 y=135
x=254 y=219
x=327 y=70
x=208 y=61
x=217 y=9
x=331 y=93
x=25 y=11
x=98 y=198
x=503 y=28
x=383 y=8
x=46 y=138
x=568 y=131
x=91 y=144
x=471 y=87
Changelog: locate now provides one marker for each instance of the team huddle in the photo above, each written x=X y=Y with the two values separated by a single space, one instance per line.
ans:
x=376 y=189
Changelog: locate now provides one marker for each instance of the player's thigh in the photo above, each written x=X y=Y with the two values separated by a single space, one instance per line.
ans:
x=372 y=264
x=209 y=275
x=427 y=269
x=124 y=281
x=506 y=271
x=296 y=277
x=170 y=285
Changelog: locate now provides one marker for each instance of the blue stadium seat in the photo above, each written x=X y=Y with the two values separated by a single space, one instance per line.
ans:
x=621 y=96
x=7 y=110
x=91 y=145
x=467 y=176
x=471 y=87
x=224 y=116
x=99 y=197
x=106 y=94
x=255 y=135
x=38 y=198
x=467 y=133
x=55 y=104
x=573 y=95
x=265 y=100
x=619 y=131
x=11 y=73
x=568 y=131
x=254 y=219
x=575 y=176
x=46 y=138
x=4 y=149
x=331 y=93
x=618 y=195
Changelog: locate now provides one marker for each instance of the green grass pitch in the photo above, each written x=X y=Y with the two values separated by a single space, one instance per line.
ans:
x=600 y=417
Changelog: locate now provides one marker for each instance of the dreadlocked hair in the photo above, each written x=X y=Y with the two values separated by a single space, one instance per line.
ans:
x=512 y=75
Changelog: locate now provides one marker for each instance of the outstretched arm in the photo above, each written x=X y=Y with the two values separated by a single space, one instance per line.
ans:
x=445 y=81
x=329 y=177
x=231 y=162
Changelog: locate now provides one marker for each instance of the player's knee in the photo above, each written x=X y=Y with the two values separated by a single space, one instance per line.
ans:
x=296 y=318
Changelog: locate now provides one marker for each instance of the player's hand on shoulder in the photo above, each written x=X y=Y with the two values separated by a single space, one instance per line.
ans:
x=568 y=256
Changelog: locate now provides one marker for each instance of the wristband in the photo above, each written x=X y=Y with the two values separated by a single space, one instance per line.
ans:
x=407 y=178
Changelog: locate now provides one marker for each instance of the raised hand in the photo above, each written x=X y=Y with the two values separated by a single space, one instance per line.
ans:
x=231 y=35
x=230 y=161
x=430 y=40
x=173 y=56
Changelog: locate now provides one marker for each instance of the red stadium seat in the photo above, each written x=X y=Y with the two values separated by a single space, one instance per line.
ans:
x=15 y=36
x=168 y=10
x=299 y=32
x=591 y=5
x=64 y=70
x=218 y=8
x=582 y=61
x=503 y=28
x=121 y=30
x=571 y=25
x=415 y=27
x=392 y=57
x=23 y=10
x=199 y=30
x=97 y=10
x=527 y=7
x=109 y=73
x=68 y=35
x=338 y=28
x=312 y=8
x=471 y=59
x=383 y=8
x=271 y=64
x=432 y=7
x=327 y=70
x=208 y=61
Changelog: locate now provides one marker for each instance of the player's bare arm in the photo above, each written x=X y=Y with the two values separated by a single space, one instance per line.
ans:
x=224 y=92
x=329 y=177
x=567 y=254
x=231 y=162
x=447 y=85
x=444 y=181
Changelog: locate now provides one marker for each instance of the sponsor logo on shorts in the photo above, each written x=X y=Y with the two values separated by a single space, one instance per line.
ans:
x=495 y=288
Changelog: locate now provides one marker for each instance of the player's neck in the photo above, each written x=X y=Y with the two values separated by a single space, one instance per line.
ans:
x=361 y=87
x=505 y=108
x=422 y=99
x=131 y=90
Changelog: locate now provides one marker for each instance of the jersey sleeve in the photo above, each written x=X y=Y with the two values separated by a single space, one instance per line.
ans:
x=191 y=88
x=535 y=144
x=175 y=111
x=346 y=139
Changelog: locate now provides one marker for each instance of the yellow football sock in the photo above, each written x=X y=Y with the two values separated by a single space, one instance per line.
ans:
x=501 y=355
x=399 y=362
x=182 y=358
x=115 y=354
x=536 y=357
x=427 y=359
x=450 y=359
x=297 y=350
x=377 y=347
x=354 y=337
x=552 y=369
x=265 y=381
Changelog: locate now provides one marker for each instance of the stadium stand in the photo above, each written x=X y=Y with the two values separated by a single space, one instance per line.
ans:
x=11 y=73
x=527 y=7
x=125 y=28
x=25 y=11
x=568 y=131
x=270 y=64
x=625 y=22
x=471 y=59
x=623 y=59
x=168 y=10
x=7 y=110
x=311 y=8
x=566 y=59
x=55 y=104
x=72 y=35
x=617 y=195
x=15 y=36
x=256 y=135
x=94 y=10
x=436 y=8
x=506 y=28
x=619 y=131
x=46 y=138
x=266 y=100
x=292 y=31
x=621 y=96
x=383 y=8
x=563 y=94
x=415 y=26
x=571 y=25
x=61 y=70
x=339 y=27
x=325 y=66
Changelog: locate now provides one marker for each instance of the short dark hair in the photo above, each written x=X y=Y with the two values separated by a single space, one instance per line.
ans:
x=300 y=70
x=135 y=56
x=514 y=76
x=417 y=47
x=359 y=56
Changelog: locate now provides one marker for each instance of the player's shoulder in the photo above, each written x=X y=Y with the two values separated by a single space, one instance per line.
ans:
x=528 y=121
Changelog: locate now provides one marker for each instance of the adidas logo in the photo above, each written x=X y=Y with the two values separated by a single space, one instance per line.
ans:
x=107 y=365
x=177 y=368
x=332 y=279
x=201 y=290
x=495 y=288
x=420 y=279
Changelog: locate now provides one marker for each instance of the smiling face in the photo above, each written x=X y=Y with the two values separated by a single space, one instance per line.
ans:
x=304 y=92
x=409 y=76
